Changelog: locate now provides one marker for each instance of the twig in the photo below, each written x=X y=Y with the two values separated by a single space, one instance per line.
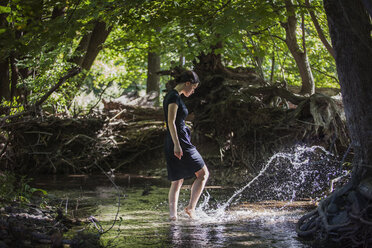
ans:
x=4 y=148
x=100 y=97
x=40 y=153
x=123 y=110
x=94 y=220
x=222 y=7
x=325 y=74
x=39 y=132
x=66 y=205
x=77 y=136
x=306 y=122
x=51 y=162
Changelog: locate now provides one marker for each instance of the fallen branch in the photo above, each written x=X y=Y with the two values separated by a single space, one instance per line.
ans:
x=276 y=91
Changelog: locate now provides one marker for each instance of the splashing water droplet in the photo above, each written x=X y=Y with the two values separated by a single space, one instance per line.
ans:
x=298 y=172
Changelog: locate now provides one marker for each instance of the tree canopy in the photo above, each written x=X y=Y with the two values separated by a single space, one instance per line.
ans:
x=41 y=40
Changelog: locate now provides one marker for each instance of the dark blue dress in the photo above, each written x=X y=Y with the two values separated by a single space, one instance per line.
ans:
x=191 y=161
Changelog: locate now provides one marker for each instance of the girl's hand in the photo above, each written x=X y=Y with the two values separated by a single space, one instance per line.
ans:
x=178 y=152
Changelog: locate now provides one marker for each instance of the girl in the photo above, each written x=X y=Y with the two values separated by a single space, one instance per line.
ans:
x=183 y=160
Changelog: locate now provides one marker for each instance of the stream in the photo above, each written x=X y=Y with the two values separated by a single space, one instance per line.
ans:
x=226 y=216
x=143 y=216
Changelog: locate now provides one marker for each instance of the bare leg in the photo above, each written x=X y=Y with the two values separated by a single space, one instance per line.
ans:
x=174 y=192
x=196 y=189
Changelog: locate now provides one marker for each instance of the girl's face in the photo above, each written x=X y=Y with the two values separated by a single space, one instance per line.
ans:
x=189 y=88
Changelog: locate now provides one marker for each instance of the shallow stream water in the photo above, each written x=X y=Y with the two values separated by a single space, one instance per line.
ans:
x=260 y=213
x=143 y=217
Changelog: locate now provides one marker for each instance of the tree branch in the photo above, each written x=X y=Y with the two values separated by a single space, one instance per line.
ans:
x=303 y=32
x=222 y=7
x=278 y=37
x=260 y=31
x=319 y=29
x=72 y=72
x=325 y=74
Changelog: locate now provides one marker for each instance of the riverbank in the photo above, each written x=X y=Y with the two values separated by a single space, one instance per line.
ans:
x=41 y=222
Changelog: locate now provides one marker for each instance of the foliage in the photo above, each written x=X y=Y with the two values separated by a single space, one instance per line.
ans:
x=250 y=32
x=16 y=189
x=248 y=29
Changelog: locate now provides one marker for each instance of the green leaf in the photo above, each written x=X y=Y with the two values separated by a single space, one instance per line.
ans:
x=5 y=10
x=33 y=190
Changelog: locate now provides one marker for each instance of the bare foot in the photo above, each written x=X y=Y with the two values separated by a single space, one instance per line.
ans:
x=189 y=212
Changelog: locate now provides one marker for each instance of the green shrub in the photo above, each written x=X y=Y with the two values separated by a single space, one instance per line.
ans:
x=13 y=188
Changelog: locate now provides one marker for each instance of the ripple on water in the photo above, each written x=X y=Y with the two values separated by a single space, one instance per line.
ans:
x=226 y=222
x=237 y=228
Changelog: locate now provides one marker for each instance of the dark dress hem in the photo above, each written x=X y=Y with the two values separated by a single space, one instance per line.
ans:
x=187 y=177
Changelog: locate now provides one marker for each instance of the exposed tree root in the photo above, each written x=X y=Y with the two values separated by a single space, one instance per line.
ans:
x=247 y=123
x=344 y=217
x=127 y=135
x=236 y=123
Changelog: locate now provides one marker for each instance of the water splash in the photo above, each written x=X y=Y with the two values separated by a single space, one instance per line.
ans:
x=302 y=171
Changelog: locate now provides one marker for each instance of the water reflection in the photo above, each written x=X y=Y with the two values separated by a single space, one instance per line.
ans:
x=224 y=218
x=186 y=235
x=245 y=225
x=251 y=230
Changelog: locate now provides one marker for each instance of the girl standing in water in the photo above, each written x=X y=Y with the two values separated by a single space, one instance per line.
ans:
x=183 y=160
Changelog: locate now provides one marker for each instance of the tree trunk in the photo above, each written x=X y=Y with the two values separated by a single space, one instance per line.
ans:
x=98 y=37
x=258 y=60
x=209 y=63
x=58 y=11
x=153 y=66
x=302 y=61
x=90 y=45
x=182 y=60
x=4 y=63
x=272 y=68
x=349 y=27
x=4 y=80
x=81 y=49
x=14 y=77
x=350 y=34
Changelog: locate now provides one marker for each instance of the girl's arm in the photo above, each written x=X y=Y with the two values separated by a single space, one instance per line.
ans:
x=172 y=112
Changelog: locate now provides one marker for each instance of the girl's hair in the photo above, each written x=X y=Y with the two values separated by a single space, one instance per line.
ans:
x=186 y=76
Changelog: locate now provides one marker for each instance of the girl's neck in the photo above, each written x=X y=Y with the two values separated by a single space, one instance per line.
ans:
x=179 y=88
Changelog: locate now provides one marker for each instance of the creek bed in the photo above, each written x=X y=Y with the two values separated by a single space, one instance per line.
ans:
x=143 y=217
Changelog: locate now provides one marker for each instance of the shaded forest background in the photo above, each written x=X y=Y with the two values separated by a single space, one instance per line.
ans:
x=82 y=81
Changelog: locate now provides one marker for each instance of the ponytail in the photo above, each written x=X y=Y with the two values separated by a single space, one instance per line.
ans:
x=186 y=76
